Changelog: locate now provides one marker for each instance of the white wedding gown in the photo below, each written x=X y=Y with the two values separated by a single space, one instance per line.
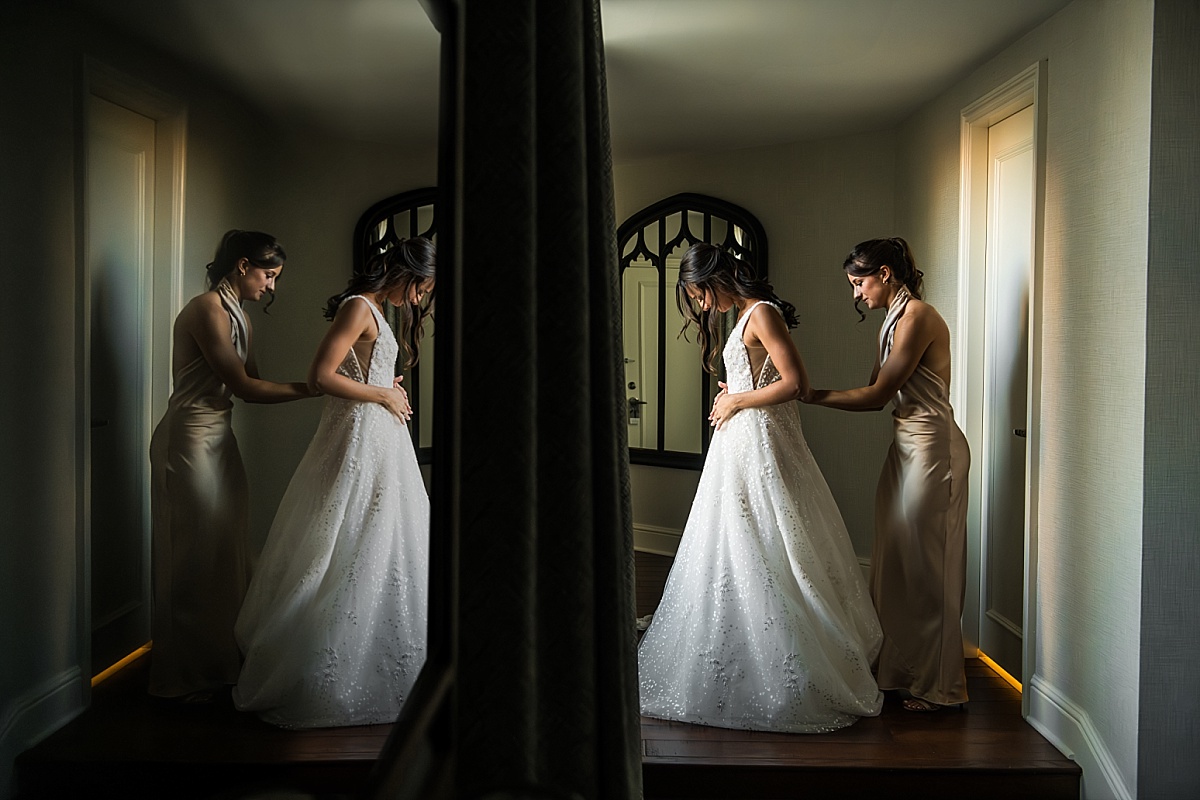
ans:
x=765 y=622
x=333 y=625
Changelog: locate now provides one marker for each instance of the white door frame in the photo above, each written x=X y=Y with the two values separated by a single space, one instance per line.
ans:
x=1024 y=89
x=166 y=293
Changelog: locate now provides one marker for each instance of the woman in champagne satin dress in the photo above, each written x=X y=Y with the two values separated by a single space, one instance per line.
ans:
x=198 y=494
x=918 y=563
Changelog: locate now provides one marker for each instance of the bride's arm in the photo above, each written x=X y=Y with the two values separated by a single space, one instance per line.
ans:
x=768 y=328
x=353 y=322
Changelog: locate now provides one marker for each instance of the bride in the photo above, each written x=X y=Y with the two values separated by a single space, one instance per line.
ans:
x=765 y=622
x=333 y=625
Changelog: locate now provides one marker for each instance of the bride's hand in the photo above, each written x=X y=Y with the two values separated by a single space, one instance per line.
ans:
x=724 y=407
x=396 y=401
x=396 y=385
x=724 y=391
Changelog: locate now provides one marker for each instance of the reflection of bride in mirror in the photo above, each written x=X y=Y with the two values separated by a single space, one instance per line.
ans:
x=765 y=622
x=333 y=626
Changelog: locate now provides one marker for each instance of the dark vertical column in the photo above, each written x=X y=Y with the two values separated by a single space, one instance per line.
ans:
x=531 y=464
x=1168 y=703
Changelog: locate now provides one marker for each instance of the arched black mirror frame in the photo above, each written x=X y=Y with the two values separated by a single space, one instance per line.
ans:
x=376 y=231
x=753 y=249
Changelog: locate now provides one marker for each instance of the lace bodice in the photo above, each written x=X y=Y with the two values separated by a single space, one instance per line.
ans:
x=738 y=374
x=381 y=369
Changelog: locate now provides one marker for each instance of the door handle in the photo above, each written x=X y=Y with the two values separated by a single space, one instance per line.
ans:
x=1019 y=432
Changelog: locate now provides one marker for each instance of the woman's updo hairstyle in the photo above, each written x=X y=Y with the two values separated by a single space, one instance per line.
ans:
x=407 y=262
x=710 y=266
x=868 y=257
x=260 y=249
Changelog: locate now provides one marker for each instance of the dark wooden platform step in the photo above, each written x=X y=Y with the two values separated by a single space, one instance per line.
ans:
x=129 y=745
x=984 y=751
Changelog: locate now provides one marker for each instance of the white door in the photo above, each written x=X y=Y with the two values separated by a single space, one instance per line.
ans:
x=639 y=289
x=1005 y=385
x=120 y=238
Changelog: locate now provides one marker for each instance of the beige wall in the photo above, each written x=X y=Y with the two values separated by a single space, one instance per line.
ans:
x=38 y=579
x=816 y=200
x=1097 y=55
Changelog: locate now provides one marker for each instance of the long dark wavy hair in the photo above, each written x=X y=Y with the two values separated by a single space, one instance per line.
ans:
x=870 y=256
x=401 y=265
x=710 y=266
x=260 y=249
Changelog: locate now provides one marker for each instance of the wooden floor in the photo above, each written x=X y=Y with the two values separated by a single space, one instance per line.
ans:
x=128 y=745
x=650 y=576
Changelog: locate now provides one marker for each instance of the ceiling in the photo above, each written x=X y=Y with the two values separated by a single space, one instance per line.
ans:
x=683 y=75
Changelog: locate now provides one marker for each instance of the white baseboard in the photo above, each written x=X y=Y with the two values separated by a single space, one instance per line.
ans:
x=1070 y=729
x=656 y=539
x=34 y=715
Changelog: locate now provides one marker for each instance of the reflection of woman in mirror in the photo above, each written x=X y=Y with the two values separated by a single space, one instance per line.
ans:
x=198 y=485
x=765 y=622
x=918 y=565
x=333 y=627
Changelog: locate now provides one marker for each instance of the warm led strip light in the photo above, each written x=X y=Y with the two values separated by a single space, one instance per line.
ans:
x=1016 y=684
x=117 y=667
